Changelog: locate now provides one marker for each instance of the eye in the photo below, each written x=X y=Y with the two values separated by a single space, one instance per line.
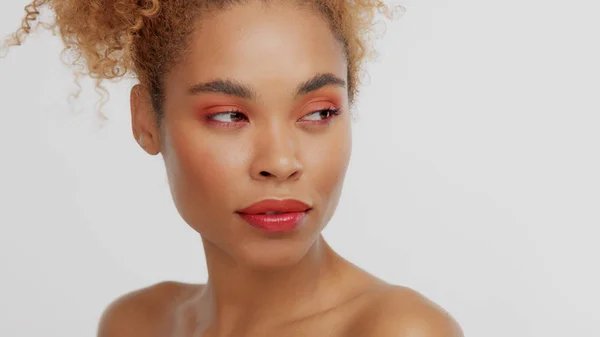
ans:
x=226 y=117
x=322 y=115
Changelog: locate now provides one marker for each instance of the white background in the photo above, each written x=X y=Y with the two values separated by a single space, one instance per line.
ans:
x=474 y=177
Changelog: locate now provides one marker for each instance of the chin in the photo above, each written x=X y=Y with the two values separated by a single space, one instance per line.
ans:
x=273 y=253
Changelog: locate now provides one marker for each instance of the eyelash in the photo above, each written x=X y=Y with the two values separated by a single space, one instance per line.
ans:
x=333 y=112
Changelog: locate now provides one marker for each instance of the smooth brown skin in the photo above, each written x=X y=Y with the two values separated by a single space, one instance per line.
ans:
x=262 y=284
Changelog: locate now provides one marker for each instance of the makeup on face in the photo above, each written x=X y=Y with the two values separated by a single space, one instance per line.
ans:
x=223 y=98
x=248 y=121
x=275 y=216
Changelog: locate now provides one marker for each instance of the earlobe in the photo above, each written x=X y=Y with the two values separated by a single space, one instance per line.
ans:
x=141 y=140
x=143 y=120
x=151 y=147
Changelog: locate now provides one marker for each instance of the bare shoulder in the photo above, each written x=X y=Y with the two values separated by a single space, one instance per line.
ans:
x=396 y=311
x=143 y=312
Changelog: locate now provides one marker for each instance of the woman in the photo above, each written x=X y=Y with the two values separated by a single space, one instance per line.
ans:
x=248 y=103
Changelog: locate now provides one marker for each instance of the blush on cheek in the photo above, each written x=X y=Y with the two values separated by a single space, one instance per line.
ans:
x=328 y=166
x=209 y=166
x=200 y=187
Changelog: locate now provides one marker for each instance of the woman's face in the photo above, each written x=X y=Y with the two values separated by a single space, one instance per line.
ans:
x=248 y=117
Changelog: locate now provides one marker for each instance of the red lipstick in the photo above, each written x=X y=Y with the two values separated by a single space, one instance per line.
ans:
x=275 y=216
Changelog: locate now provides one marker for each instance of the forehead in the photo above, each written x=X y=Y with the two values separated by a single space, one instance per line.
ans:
x=277 y=45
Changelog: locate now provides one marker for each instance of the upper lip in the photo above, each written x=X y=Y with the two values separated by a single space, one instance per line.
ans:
x=275 y=205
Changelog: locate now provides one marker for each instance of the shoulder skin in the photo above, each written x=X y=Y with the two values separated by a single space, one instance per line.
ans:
x=403 y=312
x=141 y=313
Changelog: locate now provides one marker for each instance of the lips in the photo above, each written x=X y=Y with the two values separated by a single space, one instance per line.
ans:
x=275 y=216
x=273 y=206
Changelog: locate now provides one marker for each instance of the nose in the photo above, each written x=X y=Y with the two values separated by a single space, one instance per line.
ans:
x=276 y=156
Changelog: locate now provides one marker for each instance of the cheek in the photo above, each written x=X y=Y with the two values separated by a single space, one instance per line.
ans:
x=329 y=165
x=202 y=175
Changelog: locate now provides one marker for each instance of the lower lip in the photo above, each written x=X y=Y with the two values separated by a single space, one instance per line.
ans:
x=275 y=223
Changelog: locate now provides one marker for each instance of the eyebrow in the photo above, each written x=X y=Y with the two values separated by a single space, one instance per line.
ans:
x=234 y=88
x=227 y=87
x=319 y=81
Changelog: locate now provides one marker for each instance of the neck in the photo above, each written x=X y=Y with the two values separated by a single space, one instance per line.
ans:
x=238 y=295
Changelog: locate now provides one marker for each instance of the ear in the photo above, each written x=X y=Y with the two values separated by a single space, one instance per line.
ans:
x=143 y=120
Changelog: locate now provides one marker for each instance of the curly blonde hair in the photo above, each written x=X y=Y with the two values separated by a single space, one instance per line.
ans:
x=144 y=39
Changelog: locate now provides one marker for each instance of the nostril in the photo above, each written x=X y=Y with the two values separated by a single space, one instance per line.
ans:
x=264 y=173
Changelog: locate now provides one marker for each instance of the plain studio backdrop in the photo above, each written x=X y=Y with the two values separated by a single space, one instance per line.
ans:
x=474 y=177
